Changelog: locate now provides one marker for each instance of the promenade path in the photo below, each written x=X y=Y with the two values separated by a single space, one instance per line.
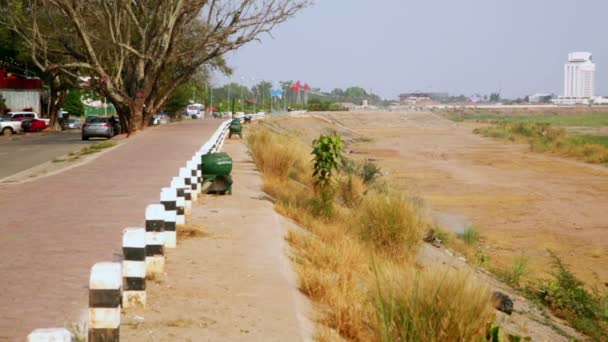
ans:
x=52 y=230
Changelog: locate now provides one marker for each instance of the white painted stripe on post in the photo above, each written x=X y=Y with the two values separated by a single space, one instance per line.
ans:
x=133 y=269
x=171 y=236
x=104 y=318
x=134 y=237
x=105 y=276
x=178 y=183
x=155 y=238
x=50 y=335
x=168 y=195
x=155 y=212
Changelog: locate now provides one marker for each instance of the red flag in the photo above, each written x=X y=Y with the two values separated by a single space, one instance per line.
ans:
x=306 y=88
x=296 y=86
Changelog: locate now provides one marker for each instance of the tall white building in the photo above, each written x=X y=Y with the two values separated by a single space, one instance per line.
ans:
x=579 y=76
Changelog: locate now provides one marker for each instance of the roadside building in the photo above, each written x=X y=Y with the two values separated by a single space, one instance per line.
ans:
x=20 y=92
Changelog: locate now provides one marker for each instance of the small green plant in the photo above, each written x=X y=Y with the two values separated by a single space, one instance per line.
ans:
x=327 y=152
x=512 y=275
x=470 y=235
x=366 y=169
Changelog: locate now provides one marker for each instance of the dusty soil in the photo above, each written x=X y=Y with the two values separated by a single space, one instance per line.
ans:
x=234 y=285
x=523 y=203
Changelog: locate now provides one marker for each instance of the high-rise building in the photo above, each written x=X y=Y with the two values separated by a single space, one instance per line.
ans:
x=579 y=76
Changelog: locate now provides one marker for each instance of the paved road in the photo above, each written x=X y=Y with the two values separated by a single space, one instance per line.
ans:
x=54 y=229
x=19 y=153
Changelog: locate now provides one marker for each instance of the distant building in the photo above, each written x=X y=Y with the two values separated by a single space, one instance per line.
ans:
x=19 y=92
x=540 y=98
x=579 y=79
x=421 y=99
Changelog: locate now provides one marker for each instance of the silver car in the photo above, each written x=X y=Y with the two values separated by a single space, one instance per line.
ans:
x=97 y=127
x=74 y=124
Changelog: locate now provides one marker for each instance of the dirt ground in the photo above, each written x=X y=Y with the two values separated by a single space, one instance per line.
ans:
x=235 y=284
x=524 y=203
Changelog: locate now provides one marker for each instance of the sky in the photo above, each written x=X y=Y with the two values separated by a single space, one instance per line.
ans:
x=458 y=46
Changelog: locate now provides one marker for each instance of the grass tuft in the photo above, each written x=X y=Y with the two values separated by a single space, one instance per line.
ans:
x=391 y=223
x=470 y=235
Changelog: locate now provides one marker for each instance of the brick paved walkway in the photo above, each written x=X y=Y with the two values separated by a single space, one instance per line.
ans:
x=54 y=229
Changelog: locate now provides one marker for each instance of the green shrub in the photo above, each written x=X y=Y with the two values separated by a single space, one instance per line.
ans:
x=470 y=235
x=569 y=299
x=366 y=169
x=513 y=274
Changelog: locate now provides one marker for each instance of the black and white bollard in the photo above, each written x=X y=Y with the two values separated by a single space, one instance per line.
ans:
x=134 y=268
x=195 y=180
x=179 y=185
x=50 y=335
x=190 y=187
x=105 y=287
x=155 y=239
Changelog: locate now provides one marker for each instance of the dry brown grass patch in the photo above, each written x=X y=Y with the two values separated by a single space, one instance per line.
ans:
x=191 y=231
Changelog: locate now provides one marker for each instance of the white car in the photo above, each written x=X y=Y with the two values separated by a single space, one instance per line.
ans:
x=20 y=116
x=9 y=127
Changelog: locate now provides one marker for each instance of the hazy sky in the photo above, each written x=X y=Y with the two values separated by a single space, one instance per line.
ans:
x=457 y=46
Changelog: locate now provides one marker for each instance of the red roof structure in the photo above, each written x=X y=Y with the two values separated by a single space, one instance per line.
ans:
x=13 y=81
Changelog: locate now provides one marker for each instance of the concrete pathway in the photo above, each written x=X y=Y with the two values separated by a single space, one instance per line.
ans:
x=234 y=285
x=54 y=229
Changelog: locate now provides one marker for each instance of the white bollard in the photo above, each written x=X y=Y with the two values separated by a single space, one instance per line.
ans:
x=50 y=335
x=105 y=286
x=134 y=267
x=155 y=239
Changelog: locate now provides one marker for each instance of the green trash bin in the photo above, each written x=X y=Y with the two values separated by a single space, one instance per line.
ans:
x=216 y=169
x=235 y=129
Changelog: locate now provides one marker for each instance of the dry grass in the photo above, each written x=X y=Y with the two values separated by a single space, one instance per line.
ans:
x=191 y=231
x=391 y=223
x=356 y=264
x=438 y=304
x=545 y=138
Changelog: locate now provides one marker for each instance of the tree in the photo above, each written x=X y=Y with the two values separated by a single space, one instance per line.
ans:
x=73 y=103
x=495 y=97
x=136 y=53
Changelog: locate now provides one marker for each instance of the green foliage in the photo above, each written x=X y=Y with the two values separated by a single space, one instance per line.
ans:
x=470 y=235
x=585 y=120
x=366 y=169
x=327 y=152
x=316 y=105
x=568 y=298
x=512 y=275
x=495 y=334
x=73 y=103
x=543 y=137
x=324 y=204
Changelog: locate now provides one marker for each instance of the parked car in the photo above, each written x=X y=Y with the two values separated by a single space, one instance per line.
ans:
x=33 y=125
x=74 y=124
x=8 y=126
x=97 y=127
x=20 y=116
